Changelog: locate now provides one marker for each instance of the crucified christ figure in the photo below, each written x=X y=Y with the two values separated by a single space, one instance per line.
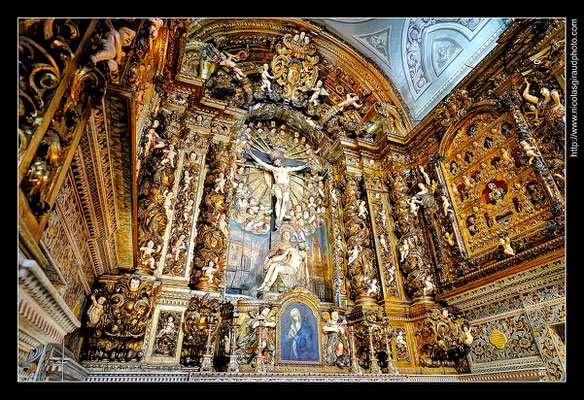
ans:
x=281 y=185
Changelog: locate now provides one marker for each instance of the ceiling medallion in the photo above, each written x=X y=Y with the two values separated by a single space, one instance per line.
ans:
x=295 y=65
x=498 y=339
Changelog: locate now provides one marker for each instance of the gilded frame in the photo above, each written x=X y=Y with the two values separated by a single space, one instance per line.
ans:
x=302 y=296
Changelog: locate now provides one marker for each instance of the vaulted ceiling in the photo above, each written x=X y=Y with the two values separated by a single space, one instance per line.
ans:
x=424 y=57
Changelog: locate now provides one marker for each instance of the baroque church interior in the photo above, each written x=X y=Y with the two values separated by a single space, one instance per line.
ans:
x=317 y=199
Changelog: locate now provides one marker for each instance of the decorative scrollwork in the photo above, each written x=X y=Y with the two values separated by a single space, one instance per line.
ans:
x=295 y=65
x=118 y=333
x=442 y=338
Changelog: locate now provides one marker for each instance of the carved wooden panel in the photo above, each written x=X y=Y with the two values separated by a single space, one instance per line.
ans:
x=495 y=192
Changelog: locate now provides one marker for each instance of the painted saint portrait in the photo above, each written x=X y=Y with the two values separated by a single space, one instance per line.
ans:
x=299 y=334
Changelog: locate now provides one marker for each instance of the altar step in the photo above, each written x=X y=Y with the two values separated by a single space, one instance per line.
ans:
x=226 y=377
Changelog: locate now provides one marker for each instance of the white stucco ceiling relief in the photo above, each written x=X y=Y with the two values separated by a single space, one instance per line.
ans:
x=425 y=58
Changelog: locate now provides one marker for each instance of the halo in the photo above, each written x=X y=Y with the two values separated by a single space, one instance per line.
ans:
x=286 y=227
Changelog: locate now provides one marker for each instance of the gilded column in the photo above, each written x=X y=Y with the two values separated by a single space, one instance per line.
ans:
x=338 y=255
x=361 y=266
x=415 y=262
x=512 y=100
x=213 y=222
x=377 y=196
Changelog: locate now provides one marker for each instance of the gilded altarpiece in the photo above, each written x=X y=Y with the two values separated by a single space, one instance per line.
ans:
x=496 y=194
x=278 y=231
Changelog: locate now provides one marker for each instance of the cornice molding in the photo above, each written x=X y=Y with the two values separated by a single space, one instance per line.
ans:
x=41 y=304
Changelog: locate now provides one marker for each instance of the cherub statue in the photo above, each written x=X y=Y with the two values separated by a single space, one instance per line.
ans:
x=95 y=309
x=179 y=246
x=111 y=51
x=530 y=148
x=383 y=242
x=404 y=249
x=362 y=209
x=372 y=286
x=351 y=99
x=447 y=205
x=188 y=209
x=318 y=90
x=265 y=78
x=148 y=252
x=153 y=141
x=428 y=287
x=209 y=271
x=223 y=225
x=400 y=340
x=505 y=241
x=354 y=254
x=134 y=283
x=170 y=154
x=168 y=203
x=414 y=205
x=466 y=334
x=449 y=237
x=168 y=329
x=339 y=246
x=220 y=183
x=227 y=60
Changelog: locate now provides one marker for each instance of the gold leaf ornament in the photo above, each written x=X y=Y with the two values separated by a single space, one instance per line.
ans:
x=498 y=339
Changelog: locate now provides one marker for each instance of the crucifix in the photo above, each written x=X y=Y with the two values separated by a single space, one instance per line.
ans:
x=281 y=185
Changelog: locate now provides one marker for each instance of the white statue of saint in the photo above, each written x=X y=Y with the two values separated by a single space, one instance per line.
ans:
x=281 y=186
x=287 y=261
